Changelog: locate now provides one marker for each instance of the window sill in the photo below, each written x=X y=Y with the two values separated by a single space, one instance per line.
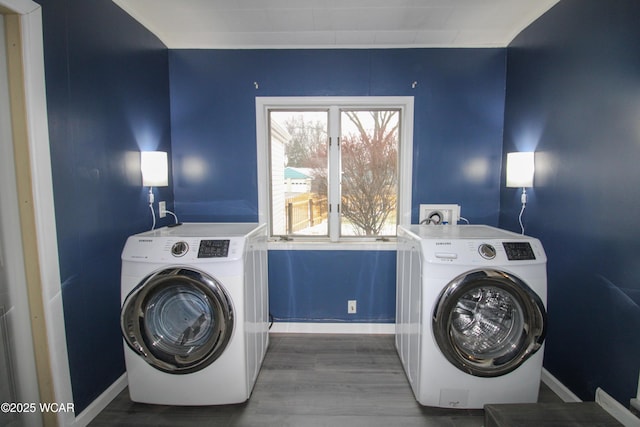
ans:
x=314 y=245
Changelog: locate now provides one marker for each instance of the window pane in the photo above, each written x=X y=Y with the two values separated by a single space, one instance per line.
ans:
x=298 y=147
x=369 y=187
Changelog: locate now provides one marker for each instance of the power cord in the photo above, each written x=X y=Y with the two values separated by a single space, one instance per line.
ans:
x=175 y=217
x=523 y=199
x=153 y=214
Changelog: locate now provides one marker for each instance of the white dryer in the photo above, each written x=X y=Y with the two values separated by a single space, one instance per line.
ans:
x=471 y=317
x=194 y=312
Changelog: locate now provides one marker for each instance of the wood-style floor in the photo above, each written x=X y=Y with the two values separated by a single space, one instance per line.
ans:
x=312 y=380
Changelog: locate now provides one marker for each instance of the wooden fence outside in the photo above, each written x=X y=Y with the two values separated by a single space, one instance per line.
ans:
x=304 y=211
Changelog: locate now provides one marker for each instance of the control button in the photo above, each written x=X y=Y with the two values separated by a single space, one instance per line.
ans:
x=446 y=255
x=179 y=249
x=487 y=251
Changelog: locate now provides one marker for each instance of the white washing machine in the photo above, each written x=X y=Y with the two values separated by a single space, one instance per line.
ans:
x=471 y=316
x=195 y=312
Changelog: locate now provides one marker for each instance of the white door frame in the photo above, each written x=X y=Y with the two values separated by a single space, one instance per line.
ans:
x=30 y=16
x=21 y=380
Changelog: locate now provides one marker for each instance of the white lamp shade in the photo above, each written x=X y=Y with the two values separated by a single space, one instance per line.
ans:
x=520 y=169
x=155 y=169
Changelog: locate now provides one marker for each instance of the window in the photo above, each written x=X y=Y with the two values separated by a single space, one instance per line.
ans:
x=334 y=169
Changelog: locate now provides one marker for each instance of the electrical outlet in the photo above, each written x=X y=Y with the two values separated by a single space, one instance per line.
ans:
x=162 y=209
x=439 y=214
x=352 y=306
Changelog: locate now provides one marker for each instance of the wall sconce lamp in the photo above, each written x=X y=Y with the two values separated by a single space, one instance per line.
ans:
x=155 y=169
x=520 y=170
x=155 y=173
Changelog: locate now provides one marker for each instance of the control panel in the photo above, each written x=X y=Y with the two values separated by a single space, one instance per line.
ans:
x=147 y=247
x=213 y=249
x=472 y=245
x=479 y=252
x=518 y=251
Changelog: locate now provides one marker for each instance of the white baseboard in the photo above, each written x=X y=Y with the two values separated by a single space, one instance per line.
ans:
x=333 y=328
x=608 y=403
x=98 y=405
x=615 y=409
x=558 y=388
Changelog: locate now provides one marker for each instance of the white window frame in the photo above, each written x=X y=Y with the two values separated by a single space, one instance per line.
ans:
x=405 y=162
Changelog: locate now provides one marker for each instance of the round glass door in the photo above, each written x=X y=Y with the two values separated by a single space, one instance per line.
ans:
x=488 y=322
x=179 y=320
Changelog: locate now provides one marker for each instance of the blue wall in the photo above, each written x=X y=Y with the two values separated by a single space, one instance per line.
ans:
x=316 y=285
x=459 y=107
x=573 y=96
x=108 y=98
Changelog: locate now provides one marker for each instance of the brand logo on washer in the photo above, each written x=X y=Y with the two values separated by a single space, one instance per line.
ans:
x=443 y=243
x=145 y=240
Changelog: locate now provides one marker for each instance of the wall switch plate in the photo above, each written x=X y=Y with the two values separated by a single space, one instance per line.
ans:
x=439 y=214
x=162 y=209
x=352 y=307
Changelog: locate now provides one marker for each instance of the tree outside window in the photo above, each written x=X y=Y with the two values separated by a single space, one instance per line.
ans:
x=300 y=172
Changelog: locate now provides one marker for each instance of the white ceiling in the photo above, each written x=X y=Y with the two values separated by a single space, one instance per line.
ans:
x=243 y=24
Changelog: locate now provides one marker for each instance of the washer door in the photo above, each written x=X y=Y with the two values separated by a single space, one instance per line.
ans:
x=179 y=320
x=488 y=322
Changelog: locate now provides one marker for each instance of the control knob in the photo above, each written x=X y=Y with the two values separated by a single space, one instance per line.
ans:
x=487 y=251
x=179 y=249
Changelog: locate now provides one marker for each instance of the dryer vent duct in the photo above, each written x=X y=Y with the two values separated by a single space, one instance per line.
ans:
x=439 y=214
